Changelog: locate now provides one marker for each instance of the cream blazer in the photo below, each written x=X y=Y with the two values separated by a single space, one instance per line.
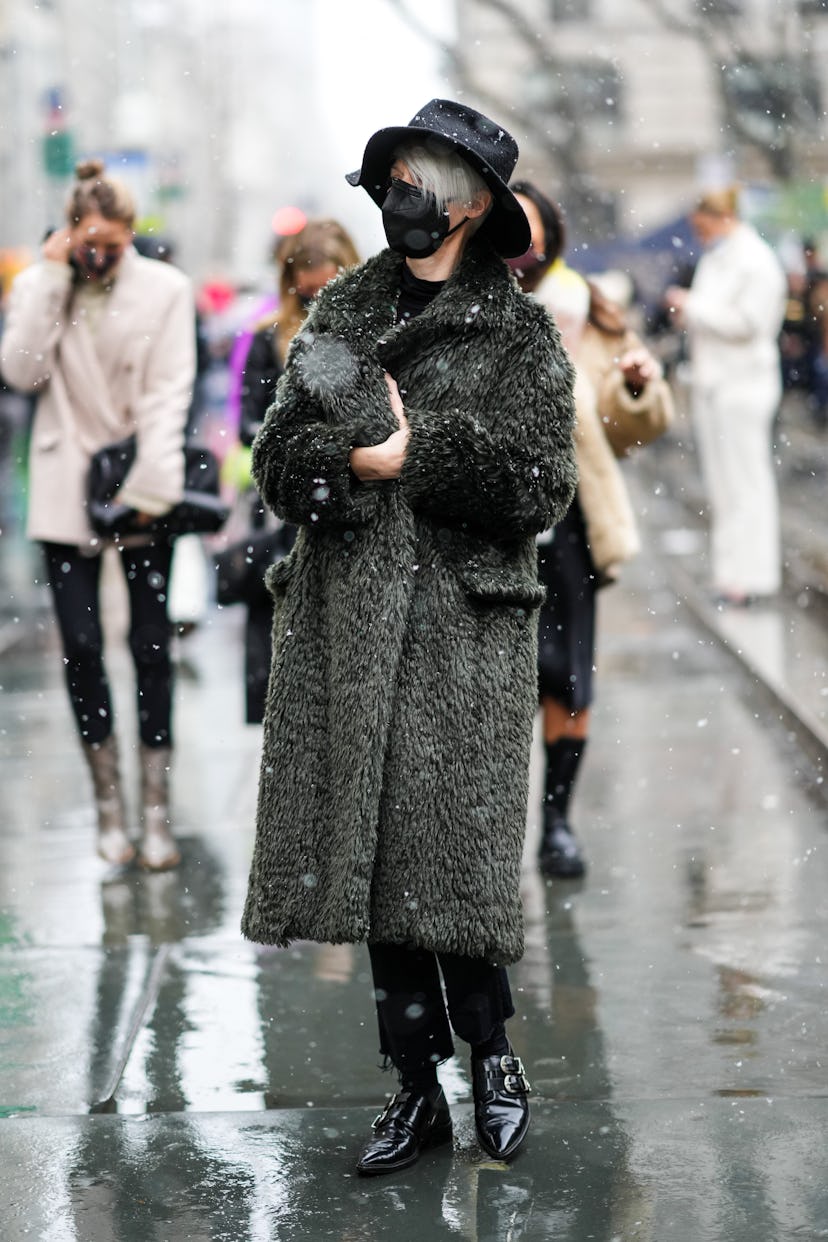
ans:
x=734 y=312
x=135 y=375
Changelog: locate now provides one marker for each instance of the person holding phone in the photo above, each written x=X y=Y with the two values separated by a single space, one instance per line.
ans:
x=105 y=339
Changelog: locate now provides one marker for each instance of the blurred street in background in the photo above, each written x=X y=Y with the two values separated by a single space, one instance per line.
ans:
x=160 y=1078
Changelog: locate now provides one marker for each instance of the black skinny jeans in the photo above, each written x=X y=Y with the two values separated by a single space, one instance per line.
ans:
x=414 y=1028
x=75 y=584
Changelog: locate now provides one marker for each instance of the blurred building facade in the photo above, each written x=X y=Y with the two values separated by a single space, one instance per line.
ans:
x=192 y=102
x=217 y=114
x=642 y=102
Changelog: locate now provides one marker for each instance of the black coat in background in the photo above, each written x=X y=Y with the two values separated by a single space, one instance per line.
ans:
x=262 y=370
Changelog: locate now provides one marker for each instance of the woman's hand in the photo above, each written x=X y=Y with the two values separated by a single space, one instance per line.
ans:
x=675 y=299
x=638 y=366
x=385 y=460
x=58 y=246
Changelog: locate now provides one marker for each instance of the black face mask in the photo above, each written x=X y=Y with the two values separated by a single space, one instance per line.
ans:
x=527 y=264
x=95 y=264
x=413 y=223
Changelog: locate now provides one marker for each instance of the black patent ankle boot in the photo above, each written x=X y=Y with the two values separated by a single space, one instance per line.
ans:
x=410 y=1122
x=559 y=855
x=501 y=1107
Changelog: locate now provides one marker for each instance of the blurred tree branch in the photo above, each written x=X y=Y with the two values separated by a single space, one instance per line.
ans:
x=767 y=89
x=763 y=76
x=557 y=131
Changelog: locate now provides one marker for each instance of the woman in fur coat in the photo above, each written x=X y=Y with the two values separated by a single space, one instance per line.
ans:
x=420 y=437
x=621 y=399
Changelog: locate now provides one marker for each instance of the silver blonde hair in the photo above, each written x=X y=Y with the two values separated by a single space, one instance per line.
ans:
x=443 y=173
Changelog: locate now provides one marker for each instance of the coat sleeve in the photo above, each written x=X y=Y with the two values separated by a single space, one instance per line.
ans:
x=35 y=320
x=628 y=420
x=300 y=459
x=156 y=479
x=509 y=469
x=602 y=493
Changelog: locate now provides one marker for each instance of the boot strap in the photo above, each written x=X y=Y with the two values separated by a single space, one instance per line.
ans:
x=385 y=1115
x=509 y=1077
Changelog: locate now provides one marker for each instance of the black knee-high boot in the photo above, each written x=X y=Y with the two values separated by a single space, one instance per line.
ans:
x=560 y=854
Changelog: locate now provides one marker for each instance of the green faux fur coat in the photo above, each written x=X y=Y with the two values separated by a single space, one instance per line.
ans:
x=393 y=789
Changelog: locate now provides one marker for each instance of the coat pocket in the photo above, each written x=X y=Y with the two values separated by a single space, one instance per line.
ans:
x=279 y=574
x=501 y=586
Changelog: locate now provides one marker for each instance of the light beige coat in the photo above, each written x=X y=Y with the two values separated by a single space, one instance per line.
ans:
x=605 y=411
x=134 y=374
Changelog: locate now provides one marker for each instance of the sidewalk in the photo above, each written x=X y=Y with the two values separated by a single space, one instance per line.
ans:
x=782 y=644
x=163 y=1080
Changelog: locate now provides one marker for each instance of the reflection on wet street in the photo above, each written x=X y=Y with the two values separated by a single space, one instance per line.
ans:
x=161 y=1079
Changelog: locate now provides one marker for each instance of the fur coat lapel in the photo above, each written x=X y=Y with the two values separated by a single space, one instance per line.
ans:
x=368 y=324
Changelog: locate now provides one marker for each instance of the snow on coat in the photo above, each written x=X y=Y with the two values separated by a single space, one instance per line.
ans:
x=393 y=789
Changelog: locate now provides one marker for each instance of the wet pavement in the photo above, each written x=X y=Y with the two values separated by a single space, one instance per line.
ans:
x=783 y=642
x=162 y=1080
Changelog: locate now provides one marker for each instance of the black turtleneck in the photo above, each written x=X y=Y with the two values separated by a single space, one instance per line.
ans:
x=415 y=294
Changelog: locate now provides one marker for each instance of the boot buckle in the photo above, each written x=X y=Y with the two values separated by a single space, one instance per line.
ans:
x=514 y=1079
x=382 y=1117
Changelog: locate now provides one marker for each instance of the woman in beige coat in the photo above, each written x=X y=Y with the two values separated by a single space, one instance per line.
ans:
x=620 y=399
x=106 y=340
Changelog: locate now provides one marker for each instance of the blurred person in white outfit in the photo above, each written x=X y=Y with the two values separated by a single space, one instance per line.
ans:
x=733 y=312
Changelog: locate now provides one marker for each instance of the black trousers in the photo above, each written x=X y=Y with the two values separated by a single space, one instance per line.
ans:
x=75 y=584
x=415 y=1022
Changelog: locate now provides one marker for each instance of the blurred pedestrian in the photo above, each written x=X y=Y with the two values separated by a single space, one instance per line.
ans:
x=421 y=436
x=308 y=260
x=105 y=338
x=188 y=596
x=815 y=306
x=621 y=400
x=733 y=312
x=795 y=335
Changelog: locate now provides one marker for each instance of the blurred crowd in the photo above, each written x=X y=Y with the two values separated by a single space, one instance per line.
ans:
x=706 y=326
x=228 y=312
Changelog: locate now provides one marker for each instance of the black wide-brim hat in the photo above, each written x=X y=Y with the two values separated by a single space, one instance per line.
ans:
x=485 y=146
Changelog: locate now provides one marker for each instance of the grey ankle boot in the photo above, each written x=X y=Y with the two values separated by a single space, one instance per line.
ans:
x=114 y=846
x=158 y=851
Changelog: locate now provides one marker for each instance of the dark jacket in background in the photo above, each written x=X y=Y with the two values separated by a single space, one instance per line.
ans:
x=261 y=374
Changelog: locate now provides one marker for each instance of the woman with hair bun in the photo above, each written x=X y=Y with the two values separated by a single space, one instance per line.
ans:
x=105 y=340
